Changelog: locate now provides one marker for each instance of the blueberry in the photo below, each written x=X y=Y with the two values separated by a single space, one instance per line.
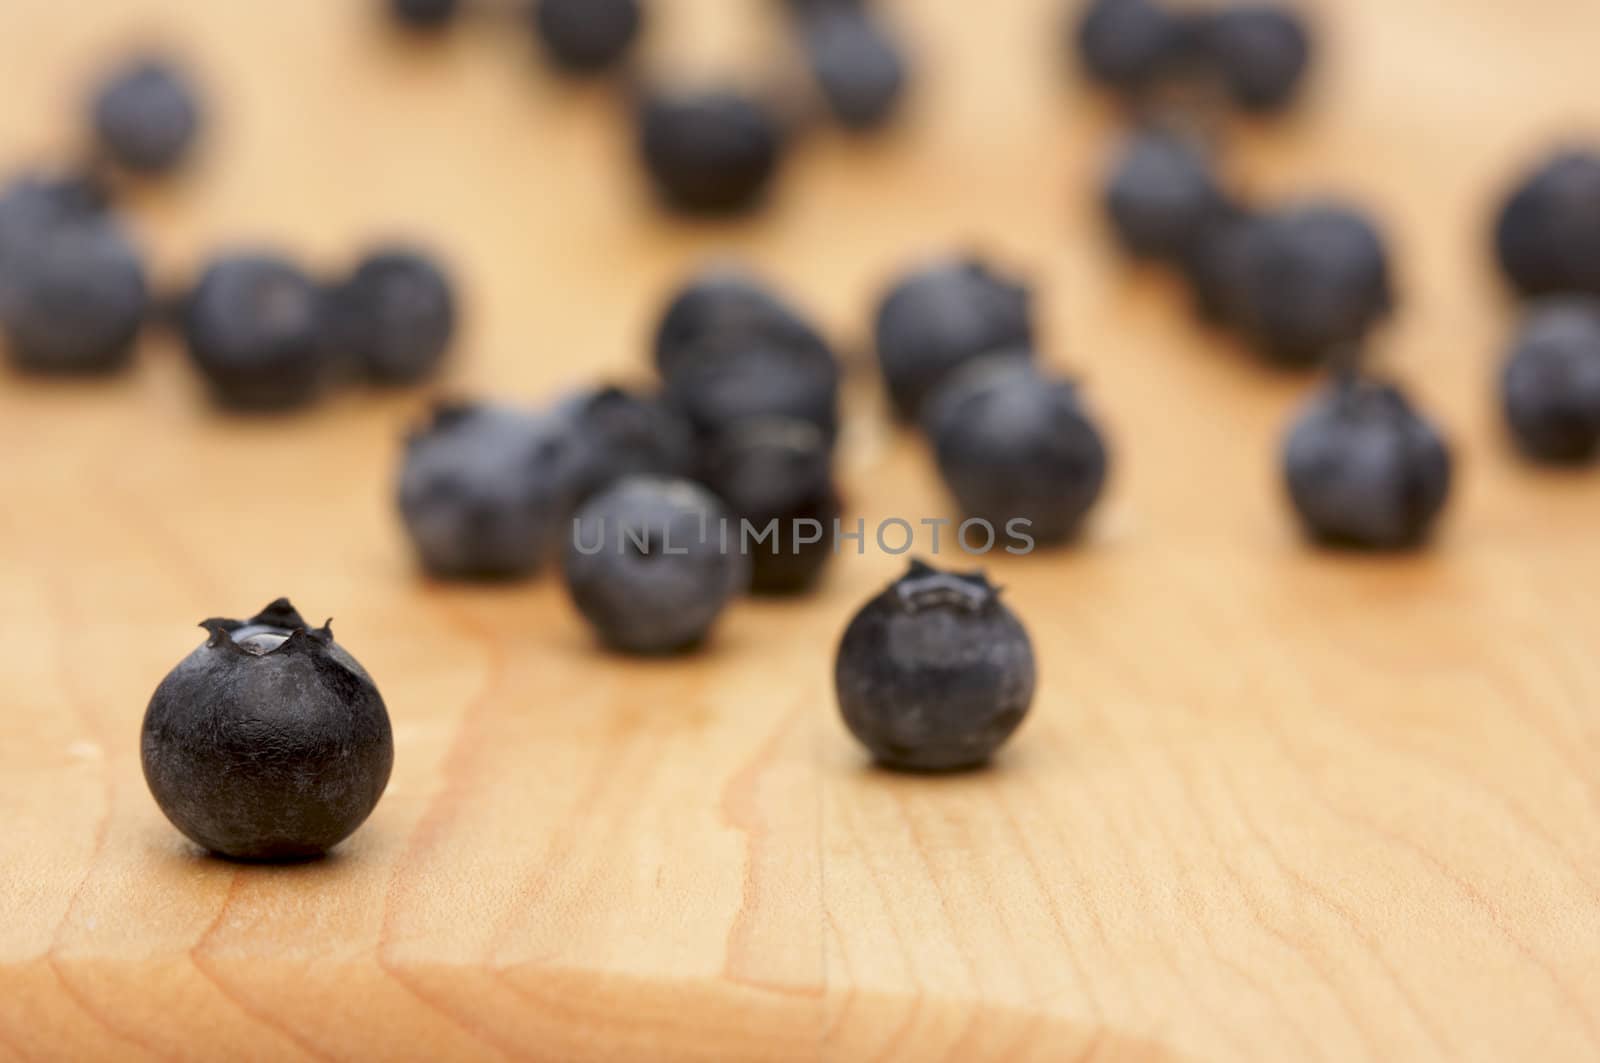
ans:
x=423 y=14
x=856 y=64
x=778 y=472
x=646 y=566
x=1548 y=232
x=619 y=433
x=724 y=386
x=1217 y=263
x=1319 y=282
x=1129 y=45
x=73 y=296
x=395 y=316
x=269 y=742
x=942 y=315
x=255 y=326
x=1013 y=443
x=1261 y=52
x=585 y=36
x=485 y=489
x=712 y=152
x=935 y=673
x=1550 y=387
x=34 y=205
x=1160 y=195
x=1364 y=469
x=726 y=307
x=146 y=116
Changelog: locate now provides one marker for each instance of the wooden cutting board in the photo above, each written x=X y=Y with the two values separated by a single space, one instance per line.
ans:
x=1270 y=804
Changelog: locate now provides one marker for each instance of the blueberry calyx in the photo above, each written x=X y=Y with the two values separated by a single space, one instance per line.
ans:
x=925 y=587
x=278 y=628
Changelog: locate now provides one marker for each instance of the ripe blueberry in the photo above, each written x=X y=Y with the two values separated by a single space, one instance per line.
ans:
x=1013 y=443
x=1160 y=194
x=1129 y=45
x=619 y=433
x=394 y=316
x=1364 y=469
x=585 y=36
x=646 y=565
x=269 y=742
x=711 y=152
x=1216 y=262
x=777 y=472
x=935 y=673
x=940 y=316
x=857 y=66
x=72 y=295
x=146 y=116
x=1550 y=387
x=255 y=326
x=1319 y=282
x=484 y=490
x=423 y=14
x=724 y=306
x=1260 y=51
x=1548 y=232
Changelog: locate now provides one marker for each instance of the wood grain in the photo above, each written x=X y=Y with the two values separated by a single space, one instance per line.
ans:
x=1271 y=804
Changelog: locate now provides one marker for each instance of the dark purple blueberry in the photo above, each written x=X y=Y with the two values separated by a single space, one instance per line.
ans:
x=72 y=295
x=1129 y=45
x=726 y=307
x=1548 y=232
x=1160 y=195
x=485 y=490
x=935 y=673
x=776 y=477
x=619 y=433
x=1216 y=262
x=586 y=36
x=856 y=64
x=1550 y=387
x=942 y=315
x=146 y=116
x=269 y=742
x=423 y=14
x=395 y=316
x=723 y=386
x=709 y=152
x=1015 y=445
x=1260 y=51
x=34 y=205
x=646 y=565
x=255 y=326
x=1320 y=281
x=1364 y=469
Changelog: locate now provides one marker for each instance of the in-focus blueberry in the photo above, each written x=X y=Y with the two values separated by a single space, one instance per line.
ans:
x=1550 y=386
x=269 y=742
x=647 y=567
x=485 y=490
x=1015 y=444
x=941 y=315
x=1364 y=469
x=935 y=673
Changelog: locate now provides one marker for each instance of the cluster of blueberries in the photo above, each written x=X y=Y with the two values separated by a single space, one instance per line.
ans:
x=1303 y=283
x=710 y=150
x=74 y=290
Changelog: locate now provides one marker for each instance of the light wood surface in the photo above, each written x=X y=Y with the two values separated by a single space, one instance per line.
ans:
x=1270 y=804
